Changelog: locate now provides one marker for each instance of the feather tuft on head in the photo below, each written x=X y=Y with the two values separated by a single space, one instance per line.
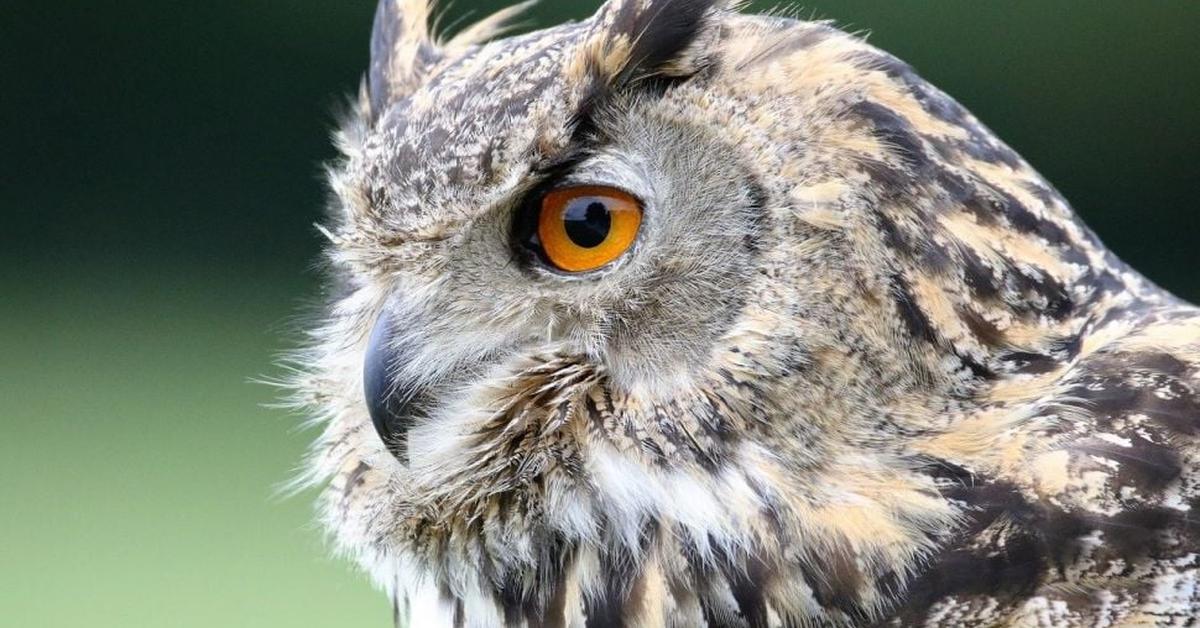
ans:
x=404 y=46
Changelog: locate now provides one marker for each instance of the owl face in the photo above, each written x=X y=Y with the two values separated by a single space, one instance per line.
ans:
x=631 y=253
x=680 y=303
x=527 y=201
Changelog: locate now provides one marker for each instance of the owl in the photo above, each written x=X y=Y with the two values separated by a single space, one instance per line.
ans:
x=681 y=317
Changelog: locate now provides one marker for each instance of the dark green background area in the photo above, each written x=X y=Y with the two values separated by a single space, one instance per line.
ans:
x=159 y=179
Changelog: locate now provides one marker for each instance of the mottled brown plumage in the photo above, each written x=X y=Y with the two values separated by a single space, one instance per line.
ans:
x=863 y=365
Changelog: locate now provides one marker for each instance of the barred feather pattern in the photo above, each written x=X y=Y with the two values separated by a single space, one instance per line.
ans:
x=881 y=375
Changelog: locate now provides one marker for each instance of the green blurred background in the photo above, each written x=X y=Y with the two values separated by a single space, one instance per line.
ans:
x=158 y=184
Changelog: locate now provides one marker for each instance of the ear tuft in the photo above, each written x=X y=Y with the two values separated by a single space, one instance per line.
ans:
x=495 y=25
x=402 y=48
x=632 y=39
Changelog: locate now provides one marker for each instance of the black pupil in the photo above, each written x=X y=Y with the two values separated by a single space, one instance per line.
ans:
x=587 y=221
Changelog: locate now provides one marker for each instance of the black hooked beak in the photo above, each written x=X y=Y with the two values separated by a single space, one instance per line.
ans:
x=390 y=407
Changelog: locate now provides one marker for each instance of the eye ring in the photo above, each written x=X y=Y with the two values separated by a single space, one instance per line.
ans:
x=585 y=227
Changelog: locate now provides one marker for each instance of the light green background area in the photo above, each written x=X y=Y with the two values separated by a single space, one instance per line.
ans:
x=158 y=185
x=140 y=467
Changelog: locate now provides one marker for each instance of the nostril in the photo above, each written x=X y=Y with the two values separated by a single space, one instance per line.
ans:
x=387 y=405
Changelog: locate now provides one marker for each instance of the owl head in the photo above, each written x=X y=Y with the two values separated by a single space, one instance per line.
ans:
x=661 y=314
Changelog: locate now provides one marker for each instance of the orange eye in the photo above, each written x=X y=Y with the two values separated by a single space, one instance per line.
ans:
x=585 y=227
